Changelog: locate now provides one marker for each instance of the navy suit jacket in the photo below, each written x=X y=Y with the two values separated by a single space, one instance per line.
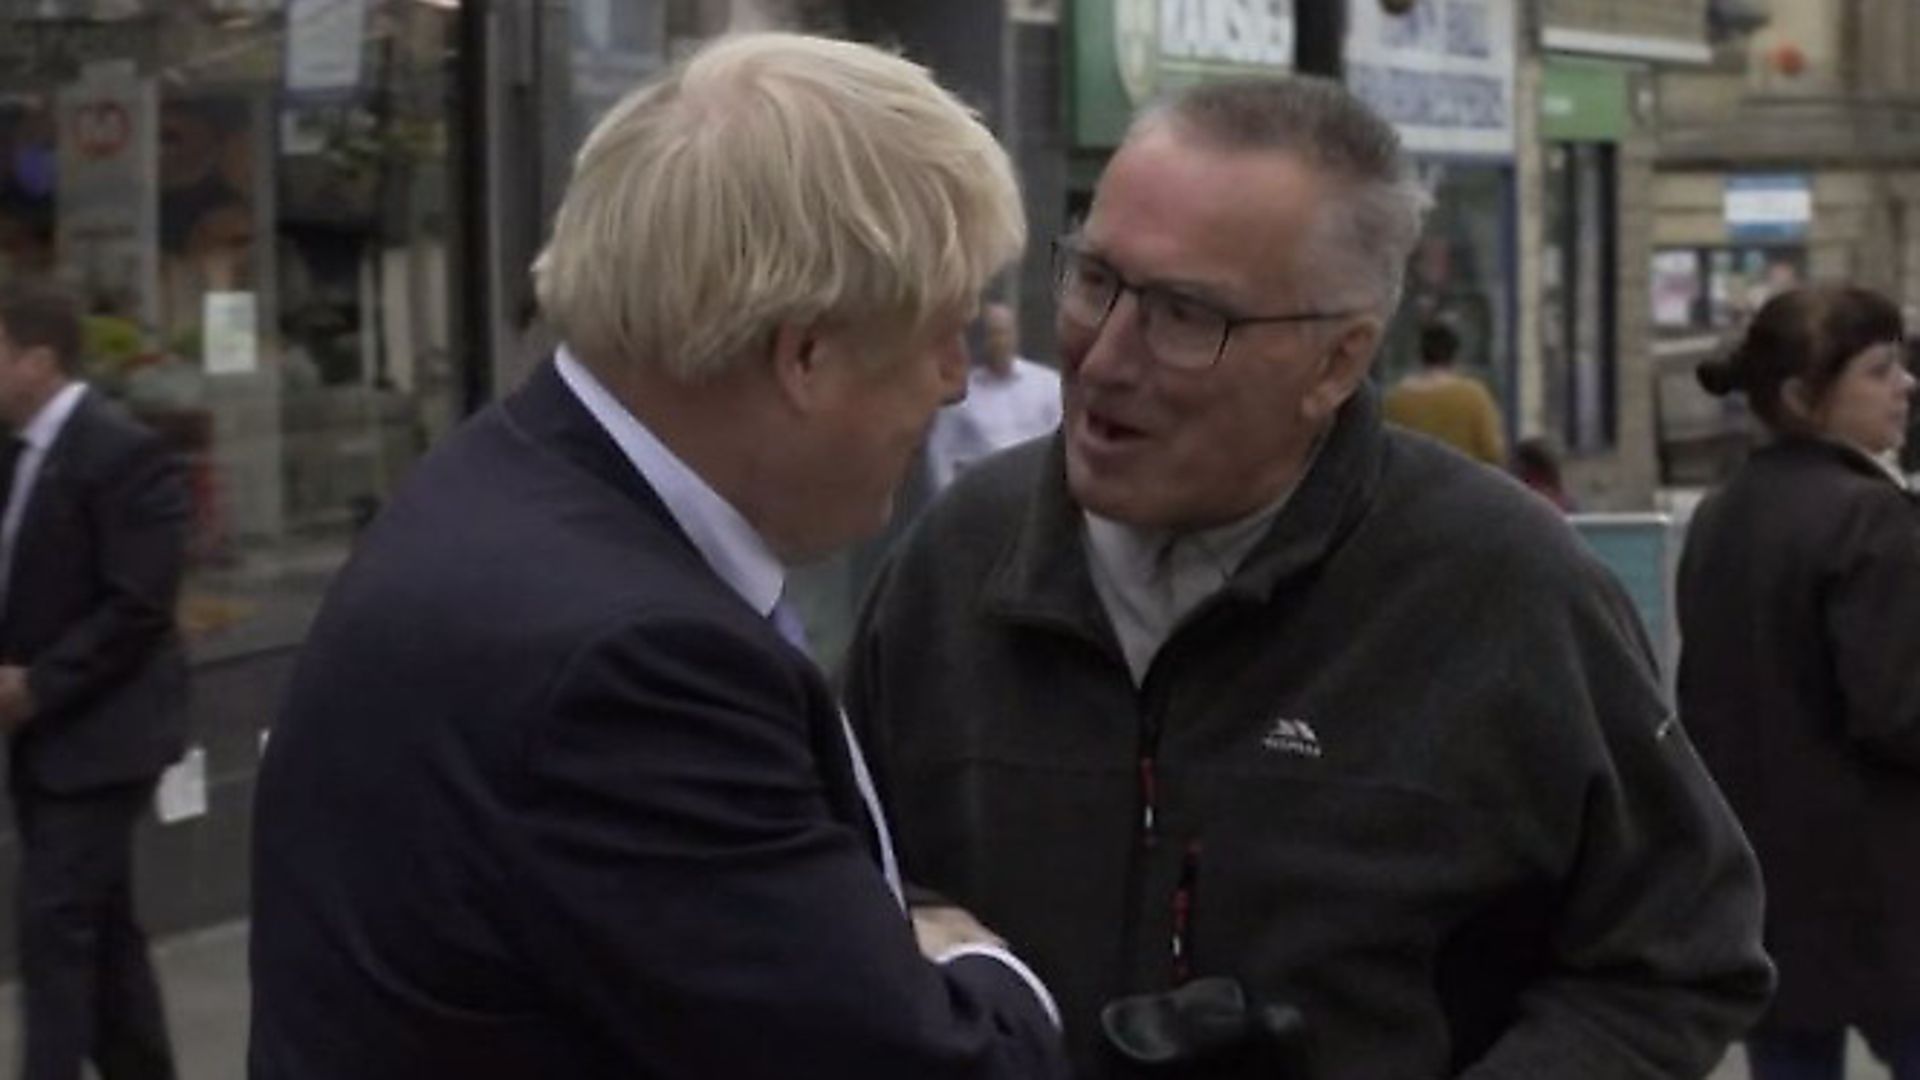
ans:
x=548 y=799
x=90 y=606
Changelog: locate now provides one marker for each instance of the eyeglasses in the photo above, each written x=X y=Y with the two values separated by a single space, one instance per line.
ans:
x=1181 y=332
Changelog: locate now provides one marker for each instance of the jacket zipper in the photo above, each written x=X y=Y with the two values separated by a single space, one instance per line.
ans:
x=1146 y=839
x=1185 y=904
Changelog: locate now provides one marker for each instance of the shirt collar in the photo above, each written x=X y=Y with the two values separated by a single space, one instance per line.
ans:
x=730 y=545
x=1137 y=555
x=52 y=417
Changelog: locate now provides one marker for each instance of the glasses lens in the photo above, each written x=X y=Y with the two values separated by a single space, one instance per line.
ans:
x=1181 y=332
x=1086 y=287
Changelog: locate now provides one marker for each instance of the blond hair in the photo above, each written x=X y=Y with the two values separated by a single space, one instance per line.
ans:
x=771 y=178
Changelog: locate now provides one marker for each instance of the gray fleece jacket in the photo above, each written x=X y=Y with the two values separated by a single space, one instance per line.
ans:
x=1409 y=771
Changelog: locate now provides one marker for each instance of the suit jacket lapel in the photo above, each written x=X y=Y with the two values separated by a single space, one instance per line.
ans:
x=545 y=412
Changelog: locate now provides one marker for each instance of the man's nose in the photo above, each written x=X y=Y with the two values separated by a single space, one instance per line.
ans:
x=1118 y=350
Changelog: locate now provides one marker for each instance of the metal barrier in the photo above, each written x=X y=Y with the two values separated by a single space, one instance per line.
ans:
x=1643 y=551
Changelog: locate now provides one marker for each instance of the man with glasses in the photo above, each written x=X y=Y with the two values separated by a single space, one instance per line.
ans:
x=1229 y=680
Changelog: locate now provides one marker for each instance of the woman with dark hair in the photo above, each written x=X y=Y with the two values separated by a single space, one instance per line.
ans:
x=1800 y=672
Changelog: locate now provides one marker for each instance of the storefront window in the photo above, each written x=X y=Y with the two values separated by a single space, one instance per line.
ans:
x=1718 y=288
x=252 y=199
x=1577 y=295
x=1458 y=275
x=1702 y=298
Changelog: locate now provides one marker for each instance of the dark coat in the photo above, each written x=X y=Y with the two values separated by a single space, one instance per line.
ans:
x=548 y=799
x=90 y=605
x=1409 y=772
x=1800 y=681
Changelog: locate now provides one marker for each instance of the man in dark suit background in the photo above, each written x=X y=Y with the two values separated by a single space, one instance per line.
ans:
x=92 y=689
x=557 y=791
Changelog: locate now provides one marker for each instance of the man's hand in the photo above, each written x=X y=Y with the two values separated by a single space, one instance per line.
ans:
x=16 y=698
x=943 y=927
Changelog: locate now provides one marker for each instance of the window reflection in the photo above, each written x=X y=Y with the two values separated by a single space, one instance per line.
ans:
x=263 y=260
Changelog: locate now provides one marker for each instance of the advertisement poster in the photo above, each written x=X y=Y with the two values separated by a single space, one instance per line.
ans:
x=1676 y=288
x=108 y=206
x=1443 y=73
x=229 y=335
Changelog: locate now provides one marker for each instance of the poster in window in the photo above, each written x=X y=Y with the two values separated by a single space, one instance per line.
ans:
x=1676 y=288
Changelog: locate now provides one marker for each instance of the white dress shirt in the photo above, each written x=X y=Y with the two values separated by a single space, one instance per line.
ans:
x=38 y=436
x=999 y=411
x=743 y=560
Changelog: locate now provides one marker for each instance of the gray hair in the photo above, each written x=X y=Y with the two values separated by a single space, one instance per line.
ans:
x=771 y=178
x=1361 y=242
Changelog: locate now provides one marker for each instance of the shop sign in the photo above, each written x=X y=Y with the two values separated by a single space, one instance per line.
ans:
x=108 y=200
x=1768 y=207
x=1442 y=73
x=1126 y=52
x=1584 y=101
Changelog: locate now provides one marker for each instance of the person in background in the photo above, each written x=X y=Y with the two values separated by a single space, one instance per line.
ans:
x=1799 y=604
x=1231 y=681
x=1441 y=402
x=93 y=683
x=1537 y=464
x=1010 y=399
x=557 y=790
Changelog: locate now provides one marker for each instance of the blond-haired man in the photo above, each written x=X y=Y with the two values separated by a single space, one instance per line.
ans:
x=557 y=791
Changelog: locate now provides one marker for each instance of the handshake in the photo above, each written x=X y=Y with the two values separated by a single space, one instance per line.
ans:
x=1206 y=1029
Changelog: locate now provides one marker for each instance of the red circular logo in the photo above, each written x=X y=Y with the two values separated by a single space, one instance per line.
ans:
x=101 y=128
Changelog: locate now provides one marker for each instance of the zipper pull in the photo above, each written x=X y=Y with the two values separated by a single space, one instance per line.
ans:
x=1183 y=899
x=1149 y=803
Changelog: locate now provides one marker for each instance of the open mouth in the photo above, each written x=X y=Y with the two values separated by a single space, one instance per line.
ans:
x=1106 y=430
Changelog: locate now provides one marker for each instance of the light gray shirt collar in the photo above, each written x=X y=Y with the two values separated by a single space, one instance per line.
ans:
x=47 y=424
x=723 y=537
x=1149 y=580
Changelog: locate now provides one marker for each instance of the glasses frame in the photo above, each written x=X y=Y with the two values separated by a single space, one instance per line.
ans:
x=1068 y=249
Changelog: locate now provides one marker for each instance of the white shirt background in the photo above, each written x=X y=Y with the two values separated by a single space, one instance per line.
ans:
x=1000 y=410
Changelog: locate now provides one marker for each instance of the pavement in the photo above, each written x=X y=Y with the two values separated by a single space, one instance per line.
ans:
x=204 y=976
x=204 y=979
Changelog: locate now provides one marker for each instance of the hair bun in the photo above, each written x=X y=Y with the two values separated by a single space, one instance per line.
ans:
x=1719 y=377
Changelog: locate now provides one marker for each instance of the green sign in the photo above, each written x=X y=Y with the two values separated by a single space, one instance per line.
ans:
x=1124 y=53
x=1585 y=101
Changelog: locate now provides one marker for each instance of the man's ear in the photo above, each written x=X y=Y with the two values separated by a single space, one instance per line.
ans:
x=1342 y=369
x=43 y=358
x=797 y=355
x=1799 y=400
